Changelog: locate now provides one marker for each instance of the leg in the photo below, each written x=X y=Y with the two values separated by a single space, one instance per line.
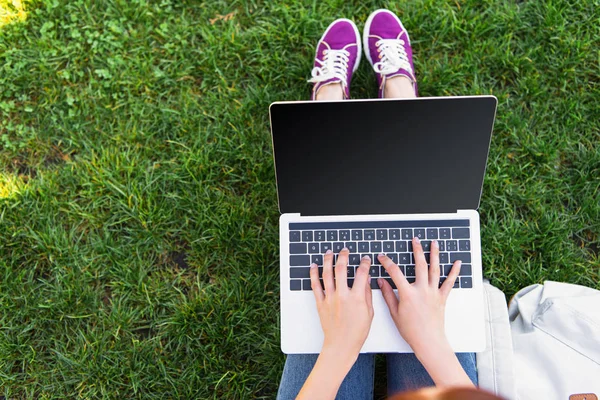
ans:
x=358 y=384
x=405 y=371
x=336 y=59
x=399 y=86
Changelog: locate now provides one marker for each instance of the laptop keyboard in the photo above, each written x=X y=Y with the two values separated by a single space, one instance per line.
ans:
x=310 y=240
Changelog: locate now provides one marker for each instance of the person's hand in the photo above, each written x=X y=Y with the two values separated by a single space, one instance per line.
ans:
x=419 y=313
x=346 y=313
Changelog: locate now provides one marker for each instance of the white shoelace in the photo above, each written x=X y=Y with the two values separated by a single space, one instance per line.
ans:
x=393 y=57
x=334 y=65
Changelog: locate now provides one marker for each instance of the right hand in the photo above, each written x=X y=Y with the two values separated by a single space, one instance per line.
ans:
x=419 y=314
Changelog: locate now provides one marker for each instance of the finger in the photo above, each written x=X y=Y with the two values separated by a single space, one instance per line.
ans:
x=315 y=284
x=388 y=295
x=362 y=274
x=420 y=262
x=341 y=270
x=449 y=282
x=394 y=272
x=369 y=294
x=434 y=265
x=328 y=272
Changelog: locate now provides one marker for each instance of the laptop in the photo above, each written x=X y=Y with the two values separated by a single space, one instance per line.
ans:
x=370 y=175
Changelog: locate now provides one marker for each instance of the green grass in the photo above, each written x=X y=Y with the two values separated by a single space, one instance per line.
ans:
x=138 y=214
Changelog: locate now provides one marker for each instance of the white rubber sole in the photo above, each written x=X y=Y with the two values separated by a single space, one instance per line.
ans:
x=358 y=42
x=368 y=26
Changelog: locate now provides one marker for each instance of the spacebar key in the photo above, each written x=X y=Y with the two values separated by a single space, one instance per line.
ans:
x=300 y=261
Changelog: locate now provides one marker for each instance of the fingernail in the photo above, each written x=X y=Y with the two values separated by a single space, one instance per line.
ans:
x=380 y=282
x=434 y=242
x=459 y=262
x=417 y=240
x=366 y=258
x=345 y=248
x=313 y=265
x=327 y=252
x=381 y=255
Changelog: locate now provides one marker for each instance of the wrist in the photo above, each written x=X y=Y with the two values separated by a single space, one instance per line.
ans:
x=342 y=358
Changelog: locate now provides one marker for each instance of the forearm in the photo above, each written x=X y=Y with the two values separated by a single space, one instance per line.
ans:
x=443 y=366
x=326 y=376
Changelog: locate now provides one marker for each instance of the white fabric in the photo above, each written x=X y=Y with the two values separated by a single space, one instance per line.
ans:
x=495 y=364
x=556 y=340
x=333 y=65
x=393 y=57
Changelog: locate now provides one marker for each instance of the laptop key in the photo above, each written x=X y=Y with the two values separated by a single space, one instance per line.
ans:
x=303 y=272
x=404 y=258
x=426 y=244
x=420 y=233
x=466 y=282
x=351 y=246
x=338 y=246
x=401 y=246
x=464 y=257
x=374 y=284
x=374 y=271
x=464 y=245
x=332 y=236
x=350 y=282
x=393 y=257
x=447 y=269
x=351 y=271
x=445 y=233
x=432 y=233
x=317 y=259
x=319 y=236
x=307 y=236
x=394 y=234
x=376 y=247
x=354 y=259
x=325 y=246
x=302 y=261
x=460 y=233
x=444 y=258
x=313 y=247
x=407 y=234
x=295 y=236
x=369 y=234
x=363 y=246
x=456 y=284
x=357 y=234
x=384 y=273
x=306 y=284
x=344 y=235
x=410 y=270
x=451 y=245
x=465 y=270
x=442 y=245
x=298 y=248
x=382 y=234
x=442 y=280
x=388 y=246
x=411 y=280
x=296 y=284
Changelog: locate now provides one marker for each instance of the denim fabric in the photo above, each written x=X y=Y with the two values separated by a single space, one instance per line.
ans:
x=404 y=372
x=358 y=384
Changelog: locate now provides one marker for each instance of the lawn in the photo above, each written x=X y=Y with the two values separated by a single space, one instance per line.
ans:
x=138 y=209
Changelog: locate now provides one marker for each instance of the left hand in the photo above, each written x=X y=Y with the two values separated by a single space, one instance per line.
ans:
x=346 y=313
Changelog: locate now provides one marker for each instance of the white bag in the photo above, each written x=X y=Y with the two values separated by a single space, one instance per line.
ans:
x=556 y=340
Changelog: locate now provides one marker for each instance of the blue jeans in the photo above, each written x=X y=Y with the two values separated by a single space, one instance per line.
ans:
x=404 y=372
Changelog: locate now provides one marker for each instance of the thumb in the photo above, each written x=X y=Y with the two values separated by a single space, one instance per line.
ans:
x=368 y=294
x=388 y=295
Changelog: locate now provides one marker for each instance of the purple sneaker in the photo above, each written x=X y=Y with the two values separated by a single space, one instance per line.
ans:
x=337 y=56
x=387 y=42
